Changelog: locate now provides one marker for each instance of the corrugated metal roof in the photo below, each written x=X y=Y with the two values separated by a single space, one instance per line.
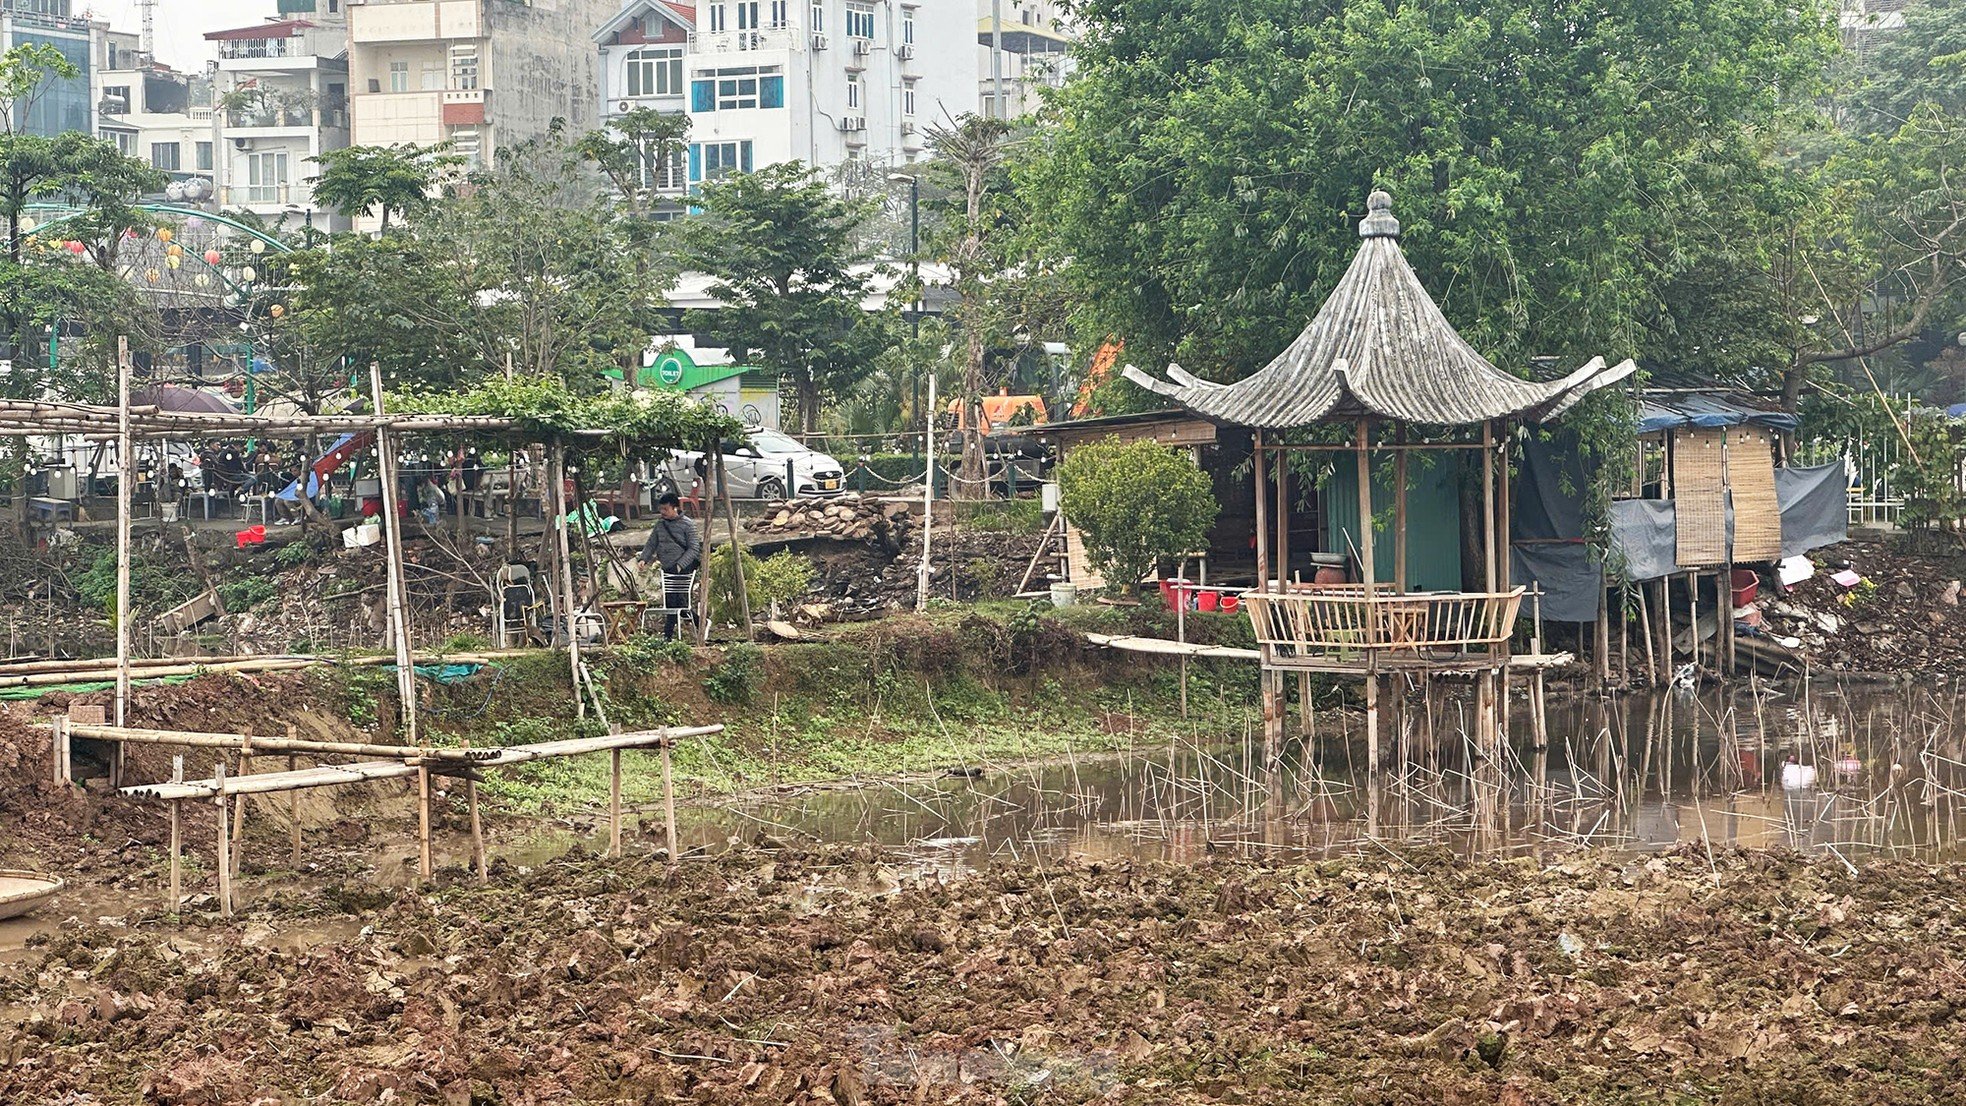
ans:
x=1379 y=346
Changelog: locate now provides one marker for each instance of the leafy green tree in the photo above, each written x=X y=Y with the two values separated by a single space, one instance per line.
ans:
x=1136 y=504
x=632 y=150
x=399 y=180
x=1574 y=179
x=780 y=249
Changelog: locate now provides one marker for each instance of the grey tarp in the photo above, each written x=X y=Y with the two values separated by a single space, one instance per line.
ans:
x=1570 y=580
x=1644 y=534
x=1815 y=504
x=1546 y=527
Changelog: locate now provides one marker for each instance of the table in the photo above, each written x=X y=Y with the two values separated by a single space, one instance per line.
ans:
x=624 y=618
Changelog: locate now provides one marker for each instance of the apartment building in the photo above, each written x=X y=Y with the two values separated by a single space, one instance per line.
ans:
x=60 y=103
x=820 y=81
x=481 y=74
x=1022 y=48
x=280 y=99
x=155 y=114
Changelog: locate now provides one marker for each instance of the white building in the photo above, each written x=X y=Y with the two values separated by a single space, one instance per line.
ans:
x=481 y=74
x=155 y=114
x=280 y=98
x=1022 y=48
x=767 y=81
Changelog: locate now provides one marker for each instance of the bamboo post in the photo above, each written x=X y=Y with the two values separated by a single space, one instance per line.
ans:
x=177 y=839
x=224 y=842
x=239 y=809
x=477 y=832
x=669 y=804
x=737 y=548
x=614 y=802
x=392 y=532
x=1181 y=630
x=1262 y=517
x=702 y=599
x=293 y=808
x=1283 y=519
x=125 y=507
x=1488 y=501
x=556 y=477
x=1399 y=515
x=58 y=748
x=423 y=822
x=511 y=488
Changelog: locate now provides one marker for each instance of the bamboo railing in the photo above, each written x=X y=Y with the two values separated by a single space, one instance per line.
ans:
x=1343 y=622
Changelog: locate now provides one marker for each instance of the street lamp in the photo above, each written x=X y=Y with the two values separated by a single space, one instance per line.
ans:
x=307 y=235
x=915 y=266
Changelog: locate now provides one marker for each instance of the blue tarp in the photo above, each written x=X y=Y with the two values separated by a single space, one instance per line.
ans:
x=1657 y=413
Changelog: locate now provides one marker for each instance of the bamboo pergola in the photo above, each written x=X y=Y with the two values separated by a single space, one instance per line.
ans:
x=1380 y=360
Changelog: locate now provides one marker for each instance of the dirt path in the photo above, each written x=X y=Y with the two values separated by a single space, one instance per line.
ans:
x=828 y=977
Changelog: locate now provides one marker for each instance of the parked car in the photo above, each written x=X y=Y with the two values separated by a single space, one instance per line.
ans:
x=767 y=466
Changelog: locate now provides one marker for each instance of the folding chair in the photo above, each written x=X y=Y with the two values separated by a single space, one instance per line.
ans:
x=676 y=587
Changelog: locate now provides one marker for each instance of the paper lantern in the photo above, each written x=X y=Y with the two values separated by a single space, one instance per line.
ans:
x=193 y=223
x=76 y=247
x=174 y=250
x=211 y=257
x=276 y=311
x=164 y=234
x=151 y=275
x=257 y=246
x=173 y=262
x=202 y=280
x=249 y=274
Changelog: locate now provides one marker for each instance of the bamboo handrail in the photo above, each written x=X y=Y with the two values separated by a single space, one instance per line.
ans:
x=1345 y=618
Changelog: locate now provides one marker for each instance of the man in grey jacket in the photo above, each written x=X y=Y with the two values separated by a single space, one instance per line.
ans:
x=675 y=545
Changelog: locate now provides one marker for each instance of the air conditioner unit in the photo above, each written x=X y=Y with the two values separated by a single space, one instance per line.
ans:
x=242 y=144
x=853 y=122
x=625 y=105
x=819 y=42
x=863 y=46
x=907 y=126
x=905 y=51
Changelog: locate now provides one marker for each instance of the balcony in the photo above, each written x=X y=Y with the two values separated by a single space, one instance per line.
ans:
x=1345 y=628
x=465 y=107
x=415 y=21
x=255 y=48
x=732 y=42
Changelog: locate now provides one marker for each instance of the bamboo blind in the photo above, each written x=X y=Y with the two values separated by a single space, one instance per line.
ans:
x=1751 y=479
x=1699 y=498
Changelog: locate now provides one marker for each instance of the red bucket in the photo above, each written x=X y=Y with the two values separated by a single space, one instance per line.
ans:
x=251 y=535
x=1208 y=600
x=1747 y=584
x=1231 y=603
x=1172 y=589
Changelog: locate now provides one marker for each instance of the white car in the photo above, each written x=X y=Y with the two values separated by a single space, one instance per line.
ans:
x=769 y=466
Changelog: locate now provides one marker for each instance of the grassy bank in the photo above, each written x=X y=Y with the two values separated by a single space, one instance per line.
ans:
x=952 y=688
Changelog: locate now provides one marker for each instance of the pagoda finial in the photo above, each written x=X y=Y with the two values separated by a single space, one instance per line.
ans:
x=1379 y=221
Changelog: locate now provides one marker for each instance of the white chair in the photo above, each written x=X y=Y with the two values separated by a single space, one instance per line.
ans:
x=679 y=584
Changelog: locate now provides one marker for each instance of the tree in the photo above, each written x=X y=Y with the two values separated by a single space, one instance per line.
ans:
x=633 y=152
x=1136 y=504
x=402 y=179
x=975 y=148
x=1574 y=179
x=779 y=247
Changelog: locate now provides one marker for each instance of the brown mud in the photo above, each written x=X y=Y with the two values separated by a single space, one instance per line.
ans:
x=778 y=975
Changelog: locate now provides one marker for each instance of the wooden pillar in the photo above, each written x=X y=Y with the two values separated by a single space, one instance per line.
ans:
x=293 y=815
x=669 y=803
x=423 y=821
x=1283 y=518
x=715 y=449
x=239 y=809
x=737 y=549
x=176 y=901
x=224 y=842
x=1262 y=517
x=614 y=802
x=1723 y=627
x=1367 y=570
x=1488 y=502
x=556 y=531
x=1372 y=723
x=392 y=531
x=1399 y=515
x=1273 y=718
x=126 y=454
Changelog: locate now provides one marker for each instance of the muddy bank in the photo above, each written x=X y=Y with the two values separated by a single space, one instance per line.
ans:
x=776 y=975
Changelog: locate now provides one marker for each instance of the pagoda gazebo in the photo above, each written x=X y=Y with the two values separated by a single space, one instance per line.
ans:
x=1380 y=357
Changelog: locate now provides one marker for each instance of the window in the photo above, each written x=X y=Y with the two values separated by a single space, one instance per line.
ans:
x=432 y=76
x=818 y=19
x=908 y=98
x=853 y=92
x=666 y=174
x=653 y=72
x=165 y=156
x=710 y=160
x=747 y=15
x=859 y=21
x=908 y=26
x=737 y=89
x=399 y=76
x=205 y=156
x=777 y=14
x=464 y=67
x=266 y=178
x=119 y=93
x=125 y=142
x=716 y=17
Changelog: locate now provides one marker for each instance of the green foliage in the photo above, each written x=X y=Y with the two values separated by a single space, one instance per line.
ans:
x=1136 y=503
x=628 y=144
x=733 y=679
x=1573 y=180
x=1003 y=516
x=152 y=583
x=1927 y=475
x=293 y=554
x=780 y=247
x=547 y=408
x=782 y=577
x=465 y=643
x=398 y=180
x=648 y=650
x=725 y=605
x=246 y=593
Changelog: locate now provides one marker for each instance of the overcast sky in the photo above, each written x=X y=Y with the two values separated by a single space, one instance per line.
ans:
x=181 y=24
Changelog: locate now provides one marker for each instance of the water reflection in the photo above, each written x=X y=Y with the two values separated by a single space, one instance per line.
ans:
x=1639 y=773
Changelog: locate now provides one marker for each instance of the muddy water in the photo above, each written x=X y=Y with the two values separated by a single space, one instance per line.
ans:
x=1635 y=773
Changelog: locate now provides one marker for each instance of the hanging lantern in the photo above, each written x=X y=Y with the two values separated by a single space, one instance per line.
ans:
x=173 y=262
x=257 y=246
x=211 y=257
x=76 y=247
x=276 y=311
x=202 y=280
x=174 y=250
x=164 y=234
x=249 y=274
x=130 y=233
x=150 y=275
x=193 y=223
